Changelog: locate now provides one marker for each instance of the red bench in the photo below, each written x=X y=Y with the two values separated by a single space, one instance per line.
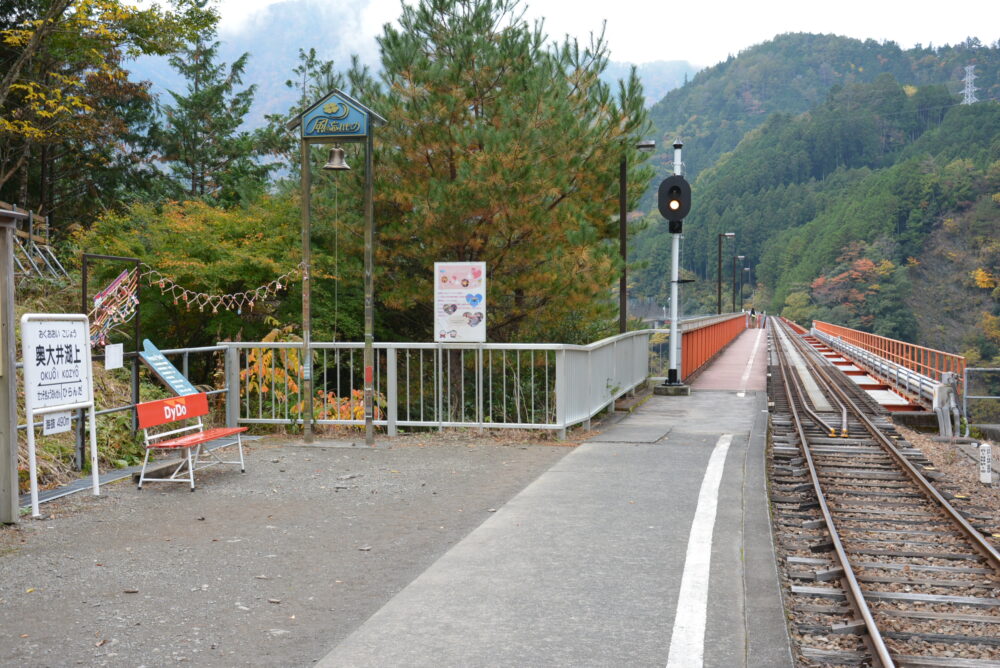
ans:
x=188 y=438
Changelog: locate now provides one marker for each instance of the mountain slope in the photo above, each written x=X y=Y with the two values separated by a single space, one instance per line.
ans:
x=839 y=208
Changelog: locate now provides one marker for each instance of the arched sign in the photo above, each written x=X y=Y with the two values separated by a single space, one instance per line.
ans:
x=336 y=118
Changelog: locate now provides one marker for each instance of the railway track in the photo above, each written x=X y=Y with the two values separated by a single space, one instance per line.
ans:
x=882 y=567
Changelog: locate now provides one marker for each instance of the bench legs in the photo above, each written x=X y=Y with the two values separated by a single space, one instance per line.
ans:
x=197 y=460
x=175 y=475
x=208 y=458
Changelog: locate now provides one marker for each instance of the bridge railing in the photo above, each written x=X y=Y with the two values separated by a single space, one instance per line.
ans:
x=925 y=361
x=513 y=386
x=703 y=338
x=489 y=385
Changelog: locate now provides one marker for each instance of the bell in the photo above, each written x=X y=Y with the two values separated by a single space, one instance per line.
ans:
x=336 y=160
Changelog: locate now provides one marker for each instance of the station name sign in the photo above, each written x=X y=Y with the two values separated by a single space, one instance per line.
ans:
x=56 y=362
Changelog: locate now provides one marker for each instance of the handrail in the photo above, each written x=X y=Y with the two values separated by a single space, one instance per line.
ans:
x=926 y=361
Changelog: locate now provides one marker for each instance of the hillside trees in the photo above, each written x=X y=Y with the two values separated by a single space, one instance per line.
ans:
x=503 y=150
x=207 y=249
x=200 y=137
x=69 y=117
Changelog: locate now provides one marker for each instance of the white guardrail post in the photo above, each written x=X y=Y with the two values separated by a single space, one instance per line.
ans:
x=479 y=388
x=391 y=392
x=561 y=389
x=232 y=374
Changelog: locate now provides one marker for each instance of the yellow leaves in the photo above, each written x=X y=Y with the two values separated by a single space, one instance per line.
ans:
x=984 y=279
x=22 y=128
x=990 y=324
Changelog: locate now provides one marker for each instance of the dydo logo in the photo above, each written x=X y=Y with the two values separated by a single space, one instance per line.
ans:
x=175 y=410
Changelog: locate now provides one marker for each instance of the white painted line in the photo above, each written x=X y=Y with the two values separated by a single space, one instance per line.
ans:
x=746 y=372
x=687 y=641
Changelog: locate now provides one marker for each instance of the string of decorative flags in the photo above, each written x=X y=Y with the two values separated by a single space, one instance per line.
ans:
x=116 y=304
x=230 y=301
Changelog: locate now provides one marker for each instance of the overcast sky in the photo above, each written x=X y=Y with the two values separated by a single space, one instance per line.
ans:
x=702 y=32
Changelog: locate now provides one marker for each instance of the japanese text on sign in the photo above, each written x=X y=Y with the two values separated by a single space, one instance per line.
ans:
x=56 y=362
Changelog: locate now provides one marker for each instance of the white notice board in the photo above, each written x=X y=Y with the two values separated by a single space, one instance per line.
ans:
x=460 y=302
x=55 y=349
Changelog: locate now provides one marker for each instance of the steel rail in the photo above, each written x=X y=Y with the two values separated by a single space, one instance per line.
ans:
x=978 y=540
x=874 y=640
x=805 y=405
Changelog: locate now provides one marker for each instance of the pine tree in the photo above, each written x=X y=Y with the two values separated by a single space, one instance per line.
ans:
x=208 y=155
x=504 y=150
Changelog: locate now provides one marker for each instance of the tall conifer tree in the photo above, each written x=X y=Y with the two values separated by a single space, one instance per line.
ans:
x=200 y=138
x=503 y=148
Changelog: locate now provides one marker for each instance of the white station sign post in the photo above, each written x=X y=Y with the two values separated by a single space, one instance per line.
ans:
x=57 y=380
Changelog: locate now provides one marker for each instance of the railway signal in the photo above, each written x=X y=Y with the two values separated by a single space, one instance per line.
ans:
x=674 y=201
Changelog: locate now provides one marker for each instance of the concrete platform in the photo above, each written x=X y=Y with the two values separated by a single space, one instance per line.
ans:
x=648 y=545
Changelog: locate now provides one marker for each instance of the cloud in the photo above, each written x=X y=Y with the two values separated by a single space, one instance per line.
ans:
x=335 y=28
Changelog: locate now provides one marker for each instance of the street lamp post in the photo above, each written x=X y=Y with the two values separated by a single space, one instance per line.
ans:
x=749 y=282
x=644 y=145
x=743 y=270
x=735 y=258
x=718 y=273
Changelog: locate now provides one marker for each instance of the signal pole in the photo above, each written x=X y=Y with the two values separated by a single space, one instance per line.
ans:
x=673 y=377
x=674 y=202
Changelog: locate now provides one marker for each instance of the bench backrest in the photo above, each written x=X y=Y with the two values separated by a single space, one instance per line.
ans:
x=155 y=413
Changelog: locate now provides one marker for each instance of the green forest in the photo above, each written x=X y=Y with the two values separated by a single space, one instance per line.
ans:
x=489 y=154
x=856 y=182
x=853 y=178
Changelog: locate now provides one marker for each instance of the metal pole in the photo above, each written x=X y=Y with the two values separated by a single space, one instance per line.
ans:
x=369 y=296
x=81 y=437
x=138 y=349
x=675 y=247
x=741 y=286
x=622 y=241
x=9 y=510
x=307 y=384
x=732 y=287
x=718 y=280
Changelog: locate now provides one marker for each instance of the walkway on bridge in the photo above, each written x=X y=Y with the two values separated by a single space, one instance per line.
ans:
x=648 y=545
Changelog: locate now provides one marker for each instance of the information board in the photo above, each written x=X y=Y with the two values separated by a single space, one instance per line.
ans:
x=165 y=370
x=460 y=302
x=56 y=362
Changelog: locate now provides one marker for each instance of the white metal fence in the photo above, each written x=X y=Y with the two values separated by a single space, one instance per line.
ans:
x=981 y=400
x=512 y=386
